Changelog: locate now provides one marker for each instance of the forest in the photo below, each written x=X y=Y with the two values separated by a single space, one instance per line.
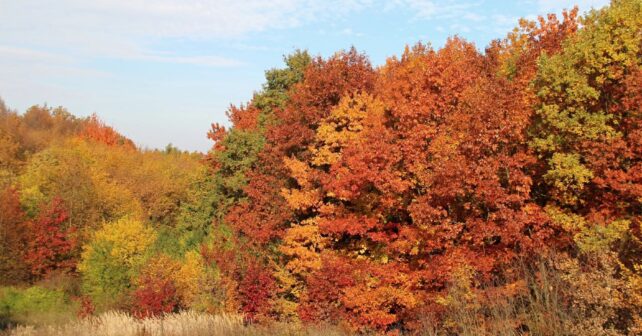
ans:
x=449 y=191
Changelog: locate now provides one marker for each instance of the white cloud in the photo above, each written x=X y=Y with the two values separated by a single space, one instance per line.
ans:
x=427 y=9
x=25 y=54
x=547 y=6
x=206 y=60
x=128 y=29
x=131 y=19
x=18 y=62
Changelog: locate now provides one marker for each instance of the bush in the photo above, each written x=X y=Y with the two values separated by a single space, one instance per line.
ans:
x=34 y=305
x=112 y=260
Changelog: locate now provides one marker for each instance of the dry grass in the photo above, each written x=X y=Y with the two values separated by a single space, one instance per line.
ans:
x=122 y=324
x=181 y=324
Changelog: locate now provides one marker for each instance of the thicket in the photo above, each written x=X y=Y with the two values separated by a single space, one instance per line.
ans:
x=448 y=191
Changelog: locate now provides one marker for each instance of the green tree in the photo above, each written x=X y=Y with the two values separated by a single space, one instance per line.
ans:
x=112 y=259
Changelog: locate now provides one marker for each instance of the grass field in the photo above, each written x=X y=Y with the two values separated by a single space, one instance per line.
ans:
x=181 y=324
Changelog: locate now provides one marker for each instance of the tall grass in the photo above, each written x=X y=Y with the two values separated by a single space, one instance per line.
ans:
x=115 y=323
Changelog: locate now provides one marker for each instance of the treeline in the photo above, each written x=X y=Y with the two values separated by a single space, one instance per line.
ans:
x=81 y=208
x=448 y=191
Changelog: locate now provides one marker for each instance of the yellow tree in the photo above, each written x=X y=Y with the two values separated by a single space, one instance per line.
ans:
x=113 y=258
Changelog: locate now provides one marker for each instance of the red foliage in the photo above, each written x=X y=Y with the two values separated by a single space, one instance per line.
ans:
x=321 y=300
x=86 y=307
x=435 y=170
x=13 y=239
x=255 y=290
x=216 y=134
x=244 y=118
x=52 y=245
x=262 y=215
x=265 y=213
x=10 y=211
x=325 y=83
x=155 y=297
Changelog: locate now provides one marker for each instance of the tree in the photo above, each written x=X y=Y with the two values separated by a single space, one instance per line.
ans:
x=14 y=227
x=96 y=130
x=113 y=258
x=156 y=290
x=52 y=243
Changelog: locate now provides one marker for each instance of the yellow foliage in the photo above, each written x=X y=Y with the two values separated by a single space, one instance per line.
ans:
x=344 y=124
x=306 y=197
x=159 y=267
x=301 y=199
x=288 y=286
x=570 y=222
x=567 y=176
x=299 y=170
x=302 y=243
x=129 y=238
x=461 y=293
x=598 y=238
x=191 y=278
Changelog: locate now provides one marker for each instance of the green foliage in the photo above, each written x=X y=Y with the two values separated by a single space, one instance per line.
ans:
x=167 y=243
x=113 y=258
x=370 y=197
x=240 y=154
x=579 y=90
x=279 y=82
x=205 y=203
x=14 y=301
x=33 y=304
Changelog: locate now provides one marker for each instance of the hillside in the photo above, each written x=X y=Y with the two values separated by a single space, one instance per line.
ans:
x=449 y=191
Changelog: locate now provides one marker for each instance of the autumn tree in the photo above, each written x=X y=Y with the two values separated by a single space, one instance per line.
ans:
x=156 y=290
x=52 y=245
x=94 y=129
x=14 y=226
x=113 y=258
x=587 y=133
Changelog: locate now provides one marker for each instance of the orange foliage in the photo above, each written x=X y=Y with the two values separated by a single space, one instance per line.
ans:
x=96 y=130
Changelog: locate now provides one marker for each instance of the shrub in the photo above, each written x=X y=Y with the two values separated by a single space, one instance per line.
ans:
x=113 y=259
x=33 y=304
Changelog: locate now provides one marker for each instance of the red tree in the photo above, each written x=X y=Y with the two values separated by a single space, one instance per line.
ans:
x=256 y=289
x=52 y=245
x=13 y=240
x=155 y=297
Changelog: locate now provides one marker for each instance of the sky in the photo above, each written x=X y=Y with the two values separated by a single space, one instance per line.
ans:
x=162 y=71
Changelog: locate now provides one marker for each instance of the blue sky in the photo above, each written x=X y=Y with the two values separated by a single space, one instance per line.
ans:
x=161 y=71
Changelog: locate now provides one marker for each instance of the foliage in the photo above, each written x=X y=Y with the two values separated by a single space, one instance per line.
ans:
x=13 y=238
x=32 y=304
x=480 y=193
x=156 y=292
x=96 y=130
x=52 y=246
x=113 y=258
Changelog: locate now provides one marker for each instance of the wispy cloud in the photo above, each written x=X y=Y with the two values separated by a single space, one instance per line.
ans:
x=130 y=29
x=212 y=61
x=350 y=32
x=26 y=54
x=427 y=9
x=101 y=54
x=546 y=6
x=15 y=62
